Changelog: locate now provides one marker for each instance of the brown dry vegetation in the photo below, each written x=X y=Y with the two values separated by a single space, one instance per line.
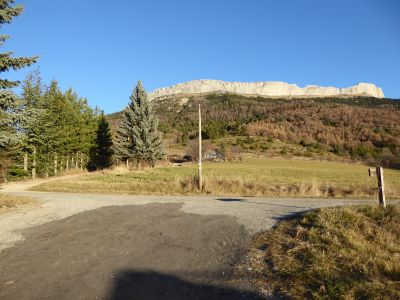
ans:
x=252 y=177
x=358 y=128
x=331 y=253
x=11 y=201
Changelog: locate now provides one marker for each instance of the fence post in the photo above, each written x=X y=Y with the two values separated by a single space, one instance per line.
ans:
x=34 y=163
x=55 y=165
x=26 y=162
x=381 y=186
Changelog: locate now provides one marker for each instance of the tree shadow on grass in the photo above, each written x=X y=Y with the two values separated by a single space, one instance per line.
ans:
x=141 y=285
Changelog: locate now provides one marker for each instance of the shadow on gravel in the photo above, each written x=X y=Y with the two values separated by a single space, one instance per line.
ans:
x=231 y=200
x=260 y=203
x=289 y=216
x=131 y=284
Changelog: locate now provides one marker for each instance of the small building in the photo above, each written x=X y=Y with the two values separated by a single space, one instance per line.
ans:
x=214 y=156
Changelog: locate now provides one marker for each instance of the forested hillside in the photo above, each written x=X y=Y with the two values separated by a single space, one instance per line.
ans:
x=356 y=128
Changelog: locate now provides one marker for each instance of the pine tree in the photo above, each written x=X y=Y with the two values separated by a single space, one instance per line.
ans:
x=137 y=135
x=102 y=151
x=9 y=117
x=33 y=114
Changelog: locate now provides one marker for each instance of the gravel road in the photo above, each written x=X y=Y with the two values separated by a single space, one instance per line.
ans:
x=87 y=246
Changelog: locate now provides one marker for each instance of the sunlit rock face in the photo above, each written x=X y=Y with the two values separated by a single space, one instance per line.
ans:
x=266 y=88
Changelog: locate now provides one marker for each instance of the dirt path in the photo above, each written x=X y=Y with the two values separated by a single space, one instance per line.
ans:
x=21 y=186
x=88 y=246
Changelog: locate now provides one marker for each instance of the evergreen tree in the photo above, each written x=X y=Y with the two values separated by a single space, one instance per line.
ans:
x=137 y=135
x=33 y=121
x=102 y=151
x=64 y=126
x=9 y=110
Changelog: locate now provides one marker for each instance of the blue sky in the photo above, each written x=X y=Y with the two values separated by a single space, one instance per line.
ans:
x=101 y=48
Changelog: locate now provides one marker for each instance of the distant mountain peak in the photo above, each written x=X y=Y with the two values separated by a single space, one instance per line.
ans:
x=265 y=88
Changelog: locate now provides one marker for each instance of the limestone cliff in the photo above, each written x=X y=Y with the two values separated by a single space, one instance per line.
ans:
x=267 y=88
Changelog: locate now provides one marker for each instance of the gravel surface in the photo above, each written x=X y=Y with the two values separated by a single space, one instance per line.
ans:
x=152 y=251
x=253 y=213
x=94 y=246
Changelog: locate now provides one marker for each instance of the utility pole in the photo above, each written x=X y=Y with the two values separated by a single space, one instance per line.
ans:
x=200 y=171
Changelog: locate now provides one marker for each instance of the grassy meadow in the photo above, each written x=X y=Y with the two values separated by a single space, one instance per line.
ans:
x=252 y=177
x=347 y=252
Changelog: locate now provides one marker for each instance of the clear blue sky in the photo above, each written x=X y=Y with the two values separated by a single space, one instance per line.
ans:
x=101 y=48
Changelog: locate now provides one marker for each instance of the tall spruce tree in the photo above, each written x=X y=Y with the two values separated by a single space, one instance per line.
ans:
x=137 y=135
x=9 y=111
x=102 y=150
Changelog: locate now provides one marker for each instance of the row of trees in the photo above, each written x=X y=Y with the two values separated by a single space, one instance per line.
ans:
x=46 y=131
x=60 y=130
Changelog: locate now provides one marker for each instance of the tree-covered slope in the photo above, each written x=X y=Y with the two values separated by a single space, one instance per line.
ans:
x=360 y=127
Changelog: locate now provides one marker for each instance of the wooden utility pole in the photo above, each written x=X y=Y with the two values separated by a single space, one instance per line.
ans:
x=378 y=172
x=200 y=169
x=34 y=163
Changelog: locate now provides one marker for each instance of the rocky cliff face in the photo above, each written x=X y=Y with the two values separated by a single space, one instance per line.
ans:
x=267 y=88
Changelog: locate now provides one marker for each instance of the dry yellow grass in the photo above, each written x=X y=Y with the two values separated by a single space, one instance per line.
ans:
x=253 y=177
x=331 y=253
x=11 y=201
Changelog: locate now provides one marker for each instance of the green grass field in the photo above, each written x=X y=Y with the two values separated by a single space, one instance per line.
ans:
x=252 y=177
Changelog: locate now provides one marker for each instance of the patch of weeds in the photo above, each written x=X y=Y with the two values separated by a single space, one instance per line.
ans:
x=332 y=253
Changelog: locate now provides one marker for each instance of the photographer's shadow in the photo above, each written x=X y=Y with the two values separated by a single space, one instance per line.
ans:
x=153 y=285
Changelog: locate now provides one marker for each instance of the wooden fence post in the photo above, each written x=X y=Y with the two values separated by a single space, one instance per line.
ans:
x=34 y=163
x=381 y=186
x=55 y=165
x=26 y=162
x=378 y=172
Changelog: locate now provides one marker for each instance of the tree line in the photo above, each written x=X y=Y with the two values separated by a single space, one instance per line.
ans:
x=60 y=130
x=46 y=131
x=362 y=128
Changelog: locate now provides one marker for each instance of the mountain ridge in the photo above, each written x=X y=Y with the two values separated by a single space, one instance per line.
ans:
x=265 y=88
